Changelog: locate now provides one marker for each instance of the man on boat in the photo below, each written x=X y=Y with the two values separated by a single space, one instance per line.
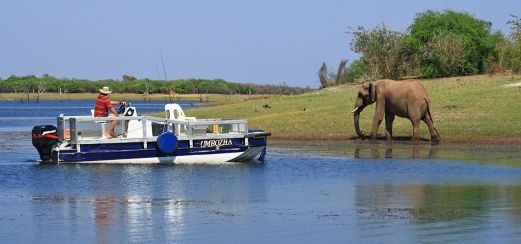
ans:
x=102 y=107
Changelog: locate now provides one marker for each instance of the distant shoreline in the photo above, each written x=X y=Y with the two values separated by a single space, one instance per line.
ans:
x=92 y=96
x=213 y=98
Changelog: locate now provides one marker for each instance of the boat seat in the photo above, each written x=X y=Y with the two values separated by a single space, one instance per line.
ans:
x=103 y=124
x=175 y=112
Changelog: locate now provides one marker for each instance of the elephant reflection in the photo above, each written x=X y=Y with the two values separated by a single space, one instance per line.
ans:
x=416 y=151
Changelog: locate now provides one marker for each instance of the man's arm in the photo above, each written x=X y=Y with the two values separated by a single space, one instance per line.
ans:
x=114 y=111
x=117 y=102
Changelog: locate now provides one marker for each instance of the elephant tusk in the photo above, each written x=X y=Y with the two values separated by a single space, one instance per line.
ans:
x=354 y=110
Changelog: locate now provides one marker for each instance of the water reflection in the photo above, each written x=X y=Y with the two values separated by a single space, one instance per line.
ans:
x=417 y=151
x=105 y=216
x=284 y=200
x=144 y=203
x=485 y=152
x=438 y=212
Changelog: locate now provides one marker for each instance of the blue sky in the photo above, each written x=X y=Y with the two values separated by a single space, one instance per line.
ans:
x=265 y=42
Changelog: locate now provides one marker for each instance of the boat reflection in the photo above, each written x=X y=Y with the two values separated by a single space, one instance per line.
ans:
x=105 y=209
x=140 y=203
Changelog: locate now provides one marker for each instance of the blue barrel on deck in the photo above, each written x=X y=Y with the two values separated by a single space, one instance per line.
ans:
x=167 y=142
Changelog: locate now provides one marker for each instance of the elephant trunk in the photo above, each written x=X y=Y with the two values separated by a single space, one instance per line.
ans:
x=356 y=114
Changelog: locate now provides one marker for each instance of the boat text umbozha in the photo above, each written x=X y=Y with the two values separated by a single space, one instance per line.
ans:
x=147 y=139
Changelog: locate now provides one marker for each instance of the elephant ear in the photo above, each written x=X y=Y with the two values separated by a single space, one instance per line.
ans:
x=372 y=91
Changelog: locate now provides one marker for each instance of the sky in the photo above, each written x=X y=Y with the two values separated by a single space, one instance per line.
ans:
x=260 y=41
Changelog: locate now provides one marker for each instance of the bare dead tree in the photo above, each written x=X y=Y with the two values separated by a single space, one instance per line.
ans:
x=27 y=87
x=323 y=76
x=27 y=91
x=62 y=91
x=341 y=74
x=146 y=92
x=515 y=27
x=40 y=87
x=20 y=95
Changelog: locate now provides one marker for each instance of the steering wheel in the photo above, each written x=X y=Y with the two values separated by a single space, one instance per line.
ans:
x=121 y=109
x=126 y=112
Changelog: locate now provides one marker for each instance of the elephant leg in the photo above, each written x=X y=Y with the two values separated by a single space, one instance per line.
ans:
x=415 y=129
x=434 y=134
x=389 y=118
x=378 y=116
x=415 y=115
x=376 y=124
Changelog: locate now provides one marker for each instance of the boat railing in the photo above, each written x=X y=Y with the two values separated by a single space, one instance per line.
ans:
x=146 y=128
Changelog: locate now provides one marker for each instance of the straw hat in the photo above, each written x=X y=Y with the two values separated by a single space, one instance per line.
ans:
x=105 y=90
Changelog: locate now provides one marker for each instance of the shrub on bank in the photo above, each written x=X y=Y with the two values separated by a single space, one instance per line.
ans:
x=436 y=44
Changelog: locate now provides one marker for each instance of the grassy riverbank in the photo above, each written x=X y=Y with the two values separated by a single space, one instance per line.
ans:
x=473 y=108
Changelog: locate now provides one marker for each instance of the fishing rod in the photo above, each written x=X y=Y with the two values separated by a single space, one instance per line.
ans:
x=164 y=72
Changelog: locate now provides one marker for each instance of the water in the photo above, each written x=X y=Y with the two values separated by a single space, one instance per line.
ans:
x=16 y=116
x=313 y=192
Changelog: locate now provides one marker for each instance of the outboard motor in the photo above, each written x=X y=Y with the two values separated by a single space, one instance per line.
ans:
x=45 y=138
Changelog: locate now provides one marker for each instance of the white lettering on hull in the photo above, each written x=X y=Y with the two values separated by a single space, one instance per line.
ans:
x=216 y=143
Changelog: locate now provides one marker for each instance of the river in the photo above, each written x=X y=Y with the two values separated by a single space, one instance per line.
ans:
x=305 y=192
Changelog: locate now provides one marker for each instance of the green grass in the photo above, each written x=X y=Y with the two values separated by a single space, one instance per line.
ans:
x=464 y=108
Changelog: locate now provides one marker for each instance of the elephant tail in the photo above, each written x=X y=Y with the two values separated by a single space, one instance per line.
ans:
x=432 y=118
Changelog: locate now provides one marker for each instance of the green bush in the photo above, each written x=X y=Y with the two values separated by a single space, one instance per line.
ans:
x=509 y=49
x=446 y=55
x=356 y=71
x=433 y=28
x=380 y=48
x=510 y=56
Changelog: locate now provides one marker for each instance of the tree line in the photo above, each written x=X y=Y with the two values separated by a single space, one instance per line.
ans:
x=436 y=44
x=31 y=84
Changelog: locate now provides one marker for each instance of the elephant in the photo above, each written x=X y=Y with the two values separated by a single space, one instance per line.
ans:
x=407 y=99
